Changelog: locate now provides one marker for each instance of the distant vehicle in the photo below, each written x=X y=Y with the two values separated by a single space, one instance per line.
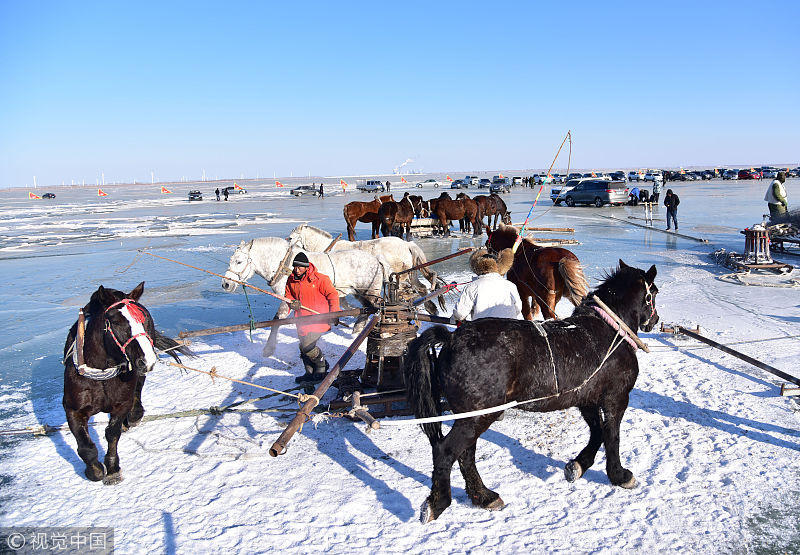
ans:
x=747 y=174
x=484 y=183
x=598 y=192
x=557 y=194
x=305 y=190
x=371 y=186
x=49 y=195
x=634 y=176
x=233 y=190
x=708 y=174
x=500 y=185
x=471 y=180
x=429 y=183
x=459 y=184
x=618 y=176
x=769 y=173
x=516 y=181
x=557 y=178
x=653 y=175
x=730 y=174
x=195 y=195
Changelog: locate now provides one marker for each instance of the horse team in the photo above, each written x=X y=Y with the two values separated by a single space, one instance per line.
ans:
x=391 y=218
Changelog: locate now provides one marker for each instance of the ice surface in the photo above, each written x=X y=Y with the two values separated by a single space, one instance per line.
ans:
x=707 y=436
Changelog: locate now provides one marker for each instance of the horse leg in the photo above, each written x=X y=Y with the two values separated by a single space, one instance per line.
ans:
x=137 y=411
x=611 y=412
x=113 y=431
x=79 y=426
x=524 y=296
x=272 y=340
x=585 y=459
x=479 y=494
x=445 y=453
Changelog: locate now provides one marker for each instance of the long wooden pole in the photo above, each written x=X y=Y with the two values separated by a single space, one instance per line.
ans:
x=303 y=415
x=651 y=228
x=311 y=319
x=432 y=294
x=642 y=345
x=742 y=356
x=434 y=261
x=242 y=283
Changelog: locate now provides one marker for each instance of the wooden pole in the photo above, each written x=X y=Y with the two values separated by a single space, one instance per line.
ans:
x=329 y=247
x=742 y=356
x=651 y=228
x=430 y=262
x=303 y=415
x=642 y=345
x=311 y=319
x=551 y=229
x=433 y=294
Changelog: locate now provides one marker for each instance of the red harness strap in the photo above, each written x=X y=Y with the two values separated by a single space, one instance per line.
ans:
x=137 y=314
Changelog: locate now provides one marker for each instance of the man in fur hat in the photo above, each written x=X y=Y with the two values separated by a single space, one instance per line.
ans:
x=309 y=288
x=489 y=295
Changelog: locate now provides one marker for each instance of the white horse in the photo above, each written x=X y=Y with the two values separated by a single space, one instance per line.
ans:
x=352 y=272
x=400 y=255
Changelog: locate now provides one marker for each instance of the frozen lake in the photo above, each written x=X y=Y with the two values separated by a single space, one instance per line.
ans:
x=54 y=254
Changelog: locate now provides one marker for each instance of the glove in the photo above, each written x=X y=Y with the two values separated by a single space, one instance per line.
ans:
x=294 y=305
x=335 y=322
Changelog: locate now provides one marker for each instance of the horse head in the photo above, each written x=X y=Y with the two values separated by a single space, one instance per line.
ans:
x=631 y=292
x=127 y=328
x=240 y=268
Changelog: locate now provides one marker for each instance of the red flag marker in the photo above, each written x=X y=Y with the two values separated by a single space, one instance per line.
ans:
x=277 y=183
x=239 y=187
x=32 y=196
x=165 y=191
x=451 y=179
x=403 y=180
x=101 y=193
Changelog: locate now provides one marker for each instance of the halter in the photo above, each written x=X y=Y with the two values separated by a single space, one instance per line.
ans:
x=649 y=299
x=137 y=314
x=247 y=264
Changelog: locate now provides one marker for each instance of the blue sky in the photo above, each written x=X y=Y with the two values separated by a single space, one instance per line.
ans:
x=344 y=88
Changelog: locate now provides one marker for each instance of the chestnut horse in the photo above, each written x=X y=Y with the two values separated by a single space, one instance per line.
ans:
x=366 y=212
x=392 y=214
x=421 y=209
x=491 y=205
x=544 y=273
x=447 y=209
x=500 y=211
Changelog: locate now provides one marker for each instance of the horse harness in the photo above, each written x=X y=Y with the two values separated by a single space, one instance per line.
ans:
x=135 y=313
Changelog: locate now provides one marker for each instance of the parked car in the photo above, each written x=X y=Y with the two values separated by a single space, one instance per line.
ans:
x=471 y=180
x=598 y=192
x=371 y=186
x=747 y=174
x=730 y=174
x=459 y=184
x=557 y=194
x=618 y=176
x=429 y=183
x=653 y=175
x=557 y=178
x=516 y=180
x=500 y=185
x=49 y=195
x=484 y=183
x=195 y=195
x=233 y=190
x=305 y=190
x=635 y=176
x=769 y=173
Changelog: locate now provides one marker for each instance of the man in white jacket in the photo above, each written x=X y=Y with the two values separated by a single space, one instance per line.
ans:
x=489 y=295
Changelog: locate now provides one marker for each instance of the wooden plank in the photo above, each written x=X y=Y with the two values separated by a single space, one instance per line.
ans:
x=651 y=228
x=311 y=319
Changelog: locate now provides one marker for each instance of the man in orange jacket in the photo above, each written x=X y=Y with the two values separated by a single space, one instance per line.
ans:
x=313 y=290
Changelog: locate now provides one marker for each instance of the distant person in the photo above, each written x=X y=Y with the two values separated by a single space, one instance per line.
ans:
x=388 y=186
x=225 y=193
x=217 y=193
x=776 y=197
x=489 y=294
x=671 y=201
x=633 y=197
x=656 y=191
x=321 y=191
x=644 y=196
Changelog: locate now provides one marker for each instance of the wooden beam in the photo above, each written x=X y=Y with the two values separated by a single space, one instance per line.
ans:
x=310 y=319
x=651 y=228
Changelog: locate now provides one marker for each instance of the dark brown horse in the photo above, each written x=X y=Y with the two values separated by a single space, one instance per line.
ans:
x=500 y=211
x=104 y=371
x=544 y=273
x=447 y=209
x=391 y=214
x=366 y=212
x=421 y=209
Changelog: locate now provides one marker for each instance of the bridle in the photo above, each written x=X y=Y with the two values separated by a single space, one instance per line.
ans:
x=649 y=299
x=137 y=313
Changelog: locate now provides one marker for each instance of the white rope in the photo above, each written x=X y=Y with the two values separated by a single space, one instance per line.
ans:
x=615 y=342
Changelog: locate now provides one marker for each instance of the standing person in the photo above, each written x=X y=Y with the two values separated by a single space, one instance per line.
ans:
x=776 y=197
x=216 y=192
x=656 y=191
x=489 y=295
x=388 y=186
x=225 y=193
x=311 y=289
x=321 y=191
x=671 y=201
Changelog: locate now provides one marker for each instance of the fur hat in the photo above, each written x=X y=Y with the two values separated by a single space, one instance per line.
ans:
x=483 y=262
x=300 y=260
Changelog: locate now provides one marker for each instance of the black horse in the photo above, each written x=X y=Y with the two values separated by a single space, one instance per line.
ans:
x=581 y=361
x=104 y=371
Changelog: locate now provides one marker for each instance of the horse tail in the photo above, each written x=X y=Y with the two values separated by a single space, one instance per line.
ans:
x=574 y=279
x=422 y=374
x=170 y=346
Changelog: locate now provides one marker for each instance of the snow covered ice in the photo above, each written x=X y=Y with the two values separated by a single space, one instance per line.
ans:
x=708 y=437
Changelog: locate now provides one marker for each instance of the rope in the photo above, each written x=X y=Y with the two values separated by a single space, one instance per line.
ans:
x=213 y=373
x=615 y=342
x=250 y=311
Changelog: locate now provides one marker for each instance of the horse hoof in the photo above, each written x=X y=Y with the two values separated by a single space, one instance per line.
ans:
x=573 y=471
x=495 y=505
x=630 y=484
x=95 y=472
x=426 y=514
x=113 y=479
x=268 y=351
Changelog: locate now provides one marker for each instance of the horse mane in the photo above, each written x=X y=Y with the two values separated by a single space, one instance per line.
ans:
x=317 y=230
x=615 y=281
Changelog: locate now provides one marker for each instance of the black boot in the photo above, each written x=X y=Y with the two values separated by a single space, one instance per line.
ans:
x=309 y=366
x=320 y=364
